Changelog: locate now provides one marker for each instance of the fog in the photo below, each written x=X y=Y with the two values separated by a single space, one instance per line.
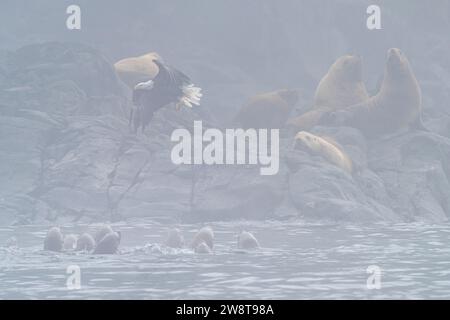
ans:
x=82 y=147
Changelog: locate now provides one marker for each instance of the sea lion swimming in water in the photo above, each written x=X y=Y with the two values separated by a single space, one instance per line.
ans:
x=108 y=244
x=246 y=240
x=325 y=148
x=342 y=86
x=70 y=242
x=398 y=104
x=54 y=240
x=174 y=238
x=85 y=243
x=202 y=248
x=101 y=232
x=205 y=235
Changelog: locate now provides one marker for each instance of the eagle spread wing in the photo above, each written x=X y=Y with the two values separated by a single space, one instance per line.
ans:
x=169 y=86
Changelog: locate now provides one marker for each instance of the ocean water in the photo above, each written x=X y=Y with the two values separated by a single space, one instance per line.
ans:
x=296 y=261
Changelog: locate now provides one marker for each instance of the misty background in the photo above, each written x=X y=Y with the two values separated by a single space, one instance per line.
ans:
x=260 y=44
x=68 y=158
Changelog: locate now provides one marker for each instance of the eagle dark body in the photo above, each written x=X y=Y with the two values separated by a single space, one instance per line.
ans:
x=167 y=88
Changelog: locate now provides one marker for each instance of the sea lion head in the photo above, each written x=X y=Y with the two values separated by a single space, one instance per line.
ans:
x=246 y=240
x=305 y=141
x=348 y=67
x=174 y=238
x=206 y=235
x=85 y=242
x=54 y=240
x=397 y=65
x=70 y=242
x=290 y=96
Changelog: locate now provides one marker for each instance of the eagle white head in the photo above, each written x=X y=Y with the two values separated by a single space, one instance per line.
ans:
x=147 y=85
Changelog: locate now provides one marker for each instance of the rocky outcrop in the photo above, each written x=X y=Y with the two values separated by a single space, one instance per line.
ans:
x=67 y=154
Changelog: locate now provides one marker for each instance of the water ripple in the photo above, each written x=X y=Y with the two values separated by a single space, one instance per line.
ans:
x=296 y=261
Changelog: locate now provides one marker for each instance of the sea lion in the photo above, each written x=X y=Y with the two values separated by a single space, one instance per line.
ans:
x=70 y=242
x=398 y=104
x=85 y=243
x=135 y=70
x=174 y=238
x=341 y=87
x=268 y=110
x=202 y=248
x=324 y=147
x=54 y=240
x=101 y=232
x=246 y=240
x=205 y=235
x=108 y=244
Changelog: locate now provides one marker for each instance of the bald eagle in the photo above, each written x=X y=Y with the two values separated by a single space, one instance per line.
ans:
x=169 y=86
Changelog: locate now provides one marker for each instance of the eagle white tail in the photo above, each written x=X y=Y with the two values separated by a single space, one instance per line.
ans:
x=191 y=96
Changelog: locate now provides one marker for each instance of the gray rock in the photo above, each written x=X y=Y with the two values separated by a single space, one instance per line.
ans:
x=67 y=153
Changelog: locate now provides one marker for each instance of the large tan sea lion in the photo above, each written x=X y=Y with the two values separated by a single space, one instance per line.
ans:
x=324 y=147
x=397 y=105
x=341 y=87
x=135 y=70
x=268 y=110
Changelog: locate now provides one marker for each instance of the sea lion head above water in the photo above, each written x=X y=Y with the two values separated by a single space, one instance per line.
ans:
x=174 y=238
x=70 y=242
x=246 y=240
x=54 y=240
x=101 y=232
x=85 y=242
x=109 y=244
x=206 y=235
